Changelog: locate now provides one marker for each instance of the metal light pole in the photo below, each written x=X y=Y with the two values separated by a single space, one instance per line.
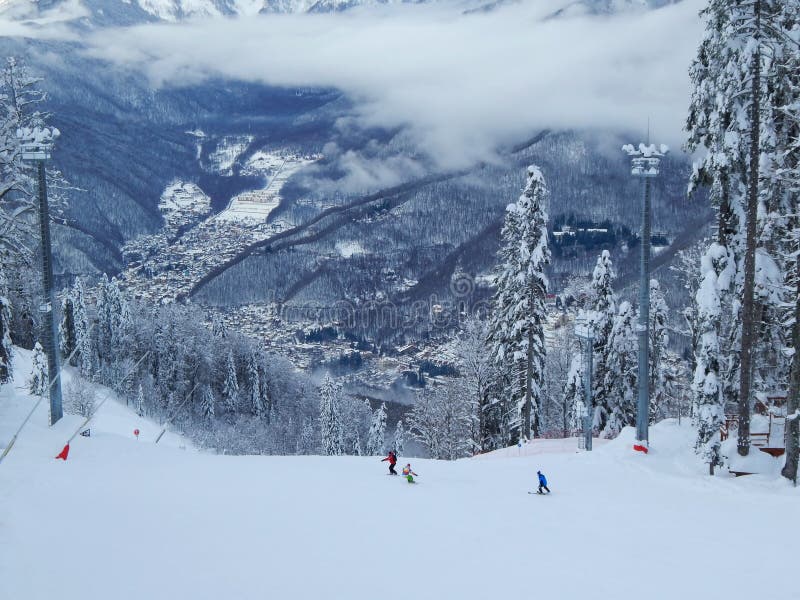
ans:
x=585 y=332
x=36 y=145
x=645 y=161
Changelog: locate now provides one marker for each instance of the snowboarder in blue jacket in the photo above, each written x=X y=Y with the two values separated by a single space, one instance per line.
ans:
x=542 y=482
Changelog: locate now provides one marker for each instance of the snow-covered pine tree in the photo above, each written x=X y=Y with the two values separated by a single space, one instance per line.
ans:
x=355 y=441
x=793 y=405
x=124 y=332
x=330 y=424
x=399 y=443
x=230 y=385
x=207 y=401
x=574 y=393
x=83 y=331
x=623 y=362
x=707 y=394
x=266 y=397
x=377 y=431
x=738 y=97
x=516 y=325
x=789 y=174
x=66 y=328
x=113 y=327
x=686 y=268
x=712 y=119
x=140 y=405
x=440 y=421
x=6 y=350
x=556 y=408
x=355 y=418
x=254 y=379
x=105 y=319
x=659 y=339
x=478 y=370
x=602 y=315
x=306 y=443
x=40 y=380
x=20 y=95
x=774 y=263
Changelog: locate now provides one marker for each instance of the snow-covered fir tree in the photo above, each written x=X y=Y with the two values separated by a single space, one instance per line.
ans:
x=737 y=116
x=330 y=424
x=659 y=339
x=230 y=386
x=355 y=419
x=516 y=326
x=788 y=172
x=67 y=337
x=39 y=380
x=6 y=350
x=556 y=407
x=601 y=315
x=377 y=431
x=707 y=394
x=84 y=341
x=20 y=98
x=108 y=308
x=478 y=371
x=686 y=269
x=623 y=363
x=399 y=440
x=140 y=403
x=306 y=443
x=254 y=379
x=207 y=402
x=574 y=396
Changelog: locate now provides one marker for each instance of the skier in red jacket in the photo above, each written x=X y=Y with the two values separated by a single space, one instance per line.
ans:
x=392 y=458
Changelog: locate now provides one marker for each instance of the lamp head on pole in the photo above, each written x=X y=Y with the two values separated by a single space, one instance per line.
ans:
x=645 y=159
x=37 y=142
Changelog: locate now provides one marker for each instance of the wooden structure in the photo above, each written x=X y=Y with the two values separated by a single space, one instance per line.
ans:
x=772 y=441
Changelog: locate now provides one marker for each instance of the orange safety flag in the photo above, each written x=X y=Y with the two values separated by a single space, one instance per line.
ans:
x=64 y=453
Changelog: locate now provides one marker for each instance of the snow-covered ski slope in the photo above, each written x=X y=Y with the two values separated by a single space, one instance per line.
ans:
x=127 y=519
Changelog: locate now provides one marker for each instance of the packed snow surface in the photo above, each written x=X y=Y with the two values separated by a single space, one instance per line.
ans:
x=129 y=519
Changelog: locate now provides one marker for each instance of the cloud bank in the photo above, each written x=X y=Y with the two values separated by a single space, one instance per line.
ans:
x=462 y=84
x=26 y=20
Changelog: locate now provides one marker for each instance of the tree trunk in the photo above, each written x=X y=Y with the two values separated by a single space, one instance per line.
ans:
x=527 y=410
x=748 y=309
x=793 y=426
x=482 y=402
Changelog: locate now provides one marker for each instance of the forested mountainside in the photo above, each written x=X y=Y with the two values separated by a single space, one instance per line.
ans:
x=123 y=143
x=278 y=208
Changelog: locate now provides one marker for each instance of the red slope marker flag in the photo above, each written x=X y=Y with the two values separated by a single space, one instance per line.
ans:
x=64 y=453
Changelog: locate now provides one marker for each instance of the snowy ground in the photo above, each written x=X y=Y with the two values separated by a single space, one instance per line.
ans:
x=255 y=206
x=183 y=202
x=125 y=519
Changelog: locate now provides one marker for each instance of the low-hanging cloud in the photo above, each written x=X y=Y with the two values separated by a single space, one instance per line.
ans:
x=462 y=84
x=26 y=20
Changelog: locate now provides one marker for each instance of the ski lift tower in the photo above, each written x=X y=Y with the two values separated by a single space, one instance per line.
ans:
x=645 y=161
x=584 y=331
x=36 y=144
